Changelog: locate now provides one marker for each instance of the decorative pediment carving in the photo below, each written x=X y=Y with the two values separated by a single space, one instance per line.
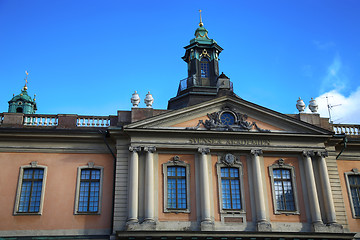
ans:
x=176 y=161
x=228 y=119
x=229 y=159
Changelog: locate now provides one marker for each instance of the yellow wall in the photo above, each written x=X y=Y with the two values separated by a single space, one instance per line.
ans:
x=59 y=200
x=343 y=167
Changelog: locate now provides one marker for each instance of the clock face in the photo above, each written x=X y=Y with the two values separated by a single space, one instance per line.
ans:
x=227 y=118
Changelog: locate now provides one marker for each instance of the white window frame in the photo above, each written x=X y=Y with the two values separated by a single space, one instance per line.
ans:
x=236 y=164
x=353 y=172
x=282 y=165
x=33 y=164
x=90 y=165
x=176 y=162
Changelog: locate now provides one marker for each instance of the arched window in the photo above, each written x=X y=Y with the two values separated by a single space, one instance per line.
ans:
x=19 y=110
x=204 y=67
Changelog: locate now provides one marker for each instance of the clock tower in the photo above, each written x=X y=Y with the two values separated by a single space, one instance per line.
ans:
x=202 y=83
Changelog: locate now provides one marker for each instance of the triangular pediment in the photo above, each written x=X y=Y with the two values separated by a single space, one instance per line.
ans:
x=244 y=116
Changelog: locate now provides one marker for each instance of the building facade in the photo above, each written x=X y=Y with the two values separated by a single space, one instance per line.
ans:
x=211 y=166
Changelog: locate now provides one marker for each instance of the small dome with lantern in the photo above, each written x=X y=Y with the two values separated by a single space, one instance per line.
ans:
x=23 y=103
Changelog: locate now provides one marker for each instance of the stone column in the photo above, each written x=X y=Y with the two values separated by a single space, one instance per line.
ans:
x=133 y=199
x=204 y=186
x=149 y=184
x=311 y=188
x=262 y=223
x=325 y=182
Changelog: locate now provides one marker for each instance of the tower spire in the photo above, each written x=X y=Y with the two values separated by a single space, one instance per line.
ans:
x=201 y=23
x=26 y=81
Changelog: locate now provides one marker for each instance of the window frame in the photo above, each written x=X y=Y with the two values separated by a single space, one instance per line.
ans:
x=282 y=165
x=354 y=172
x=33 y=165
x=90 y=166
x=176 y=163
x=239 y=166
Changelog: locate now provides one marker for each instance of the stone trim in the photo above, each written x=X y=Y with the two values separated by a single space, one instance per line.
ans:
x=33 y=164
x=282 y=165
x=177 y=162
x=90 y=165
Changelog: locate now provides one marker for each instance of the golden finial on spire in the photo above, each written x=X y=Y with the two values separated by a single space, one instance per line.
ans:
x=26 y=81
x=201 y=23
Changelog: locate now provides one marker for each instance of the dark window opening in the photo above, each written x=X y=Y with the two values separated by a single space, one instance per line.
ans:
x=19 y=110
x=354 y=182
x=204 y=63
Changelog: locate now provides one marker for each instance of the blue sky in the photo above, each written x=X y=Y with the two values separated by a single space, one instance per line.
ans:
x=88 y=57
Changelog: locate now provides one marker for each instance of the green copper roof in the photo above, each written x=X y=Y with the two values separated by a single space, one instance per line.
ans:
x=22 y=96
x=201 y=36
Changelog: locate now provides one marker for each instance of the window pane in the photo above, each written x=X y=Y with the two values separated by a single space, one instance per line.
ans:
x=230 y=185
x=355 y=193
x=176 y=187
x=31 y=187
x=283 y=190
x=89 y=191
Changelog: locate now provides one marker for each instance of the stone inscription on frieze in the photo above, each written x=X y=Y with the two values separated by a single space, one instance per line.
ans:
x=237 y=142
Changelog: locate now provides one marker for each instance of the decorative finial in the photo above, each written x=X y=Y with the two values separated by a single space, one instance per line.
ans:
x=149 y=100
x=26 y=81
x=300 y=105
x=34 y=97
x=135 y=99
x=201 y=23
x=313 y=106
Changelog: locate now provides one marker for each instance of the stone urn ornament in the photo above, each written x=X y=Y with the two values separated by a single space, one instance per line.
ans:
x=135 y=99
x=300 y=105
x=313 y=106
x=149 y=100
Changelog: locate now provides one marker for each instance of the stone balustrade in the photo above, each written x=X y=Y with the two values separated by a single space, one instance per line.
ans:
x=93 y=121
x=21 y=120
x=40 y=120
x=348 y=129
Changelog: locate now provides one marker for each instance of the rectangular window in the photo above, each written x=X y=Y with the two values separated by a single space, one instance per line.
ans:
x=30 y=191
x=176 y=183
x=283 y=185
x=230 y=185
x=176 y=186
x=89 y=190
x=283 y=190
x=30 y=195
x=354 y=191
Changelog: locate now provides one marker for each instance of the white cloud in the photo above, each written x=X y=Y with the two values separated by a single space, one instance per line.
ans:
x=334 y=78
x=348 y=109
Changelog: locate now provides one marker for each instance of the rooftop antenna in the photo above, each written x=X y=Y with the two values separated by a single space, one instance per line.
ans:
x=330 y=107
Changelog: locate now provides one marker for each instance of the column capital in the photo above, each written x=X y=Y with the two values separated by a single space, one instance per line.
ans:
x=150 y=149
x=308 y=153
x=134 y=149
x=322 y=154
x=256 y=152
x=204 y=150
